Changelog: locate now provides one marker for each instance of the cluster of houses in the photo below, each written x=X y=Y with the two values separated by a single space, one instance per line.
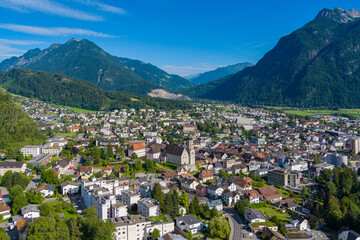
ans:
x=255 y=142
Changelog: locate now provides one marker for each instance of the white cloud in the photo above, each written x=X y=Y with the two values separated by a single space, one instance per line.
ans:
x=48 y=7
x=7 y=51
x=103 y=7
x=20 y=42
x=52 y=31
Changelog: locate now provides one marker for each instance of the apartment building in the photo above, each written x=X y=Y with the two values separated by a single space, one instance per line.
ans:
x=283 y=177
x=149 y=207
x=137 y=227
x=130 y=197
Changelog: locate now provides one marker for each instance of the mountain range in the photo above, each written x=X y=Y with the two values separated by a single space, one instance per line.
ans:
x=83 y=59
x=62 y=90
x=316 y=65
x=217 y=73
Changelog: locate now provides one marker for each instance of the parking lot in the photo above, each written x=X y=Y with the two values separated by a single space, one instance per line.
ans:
x=78 y=201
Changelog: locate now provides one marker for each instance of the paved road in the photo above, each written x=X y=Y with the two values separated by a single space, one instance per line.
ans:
x=236 y=223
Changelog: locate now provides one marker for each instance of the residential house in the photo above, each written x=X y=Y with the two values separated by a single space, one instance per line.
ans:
x=108 y=170
x=269 y=193
x=85 y=172
x=69 y=188
x=231 y=197
x=30 y=211
x=201 y=190
x=46 y=190
x=167 y=176
x=138 y=149
x=4 y=210
x=308 y=235
x=254 y=216
x=215 y=191
x=189 y=184
x=243 y=184
x=189 y=223
x=154 y=152
x=300 y=222
x=273 y=235
x=215 y=204
x=348 y=235
x=253 y=196
x=64 y=165
x=288 y=203
x=206 y=175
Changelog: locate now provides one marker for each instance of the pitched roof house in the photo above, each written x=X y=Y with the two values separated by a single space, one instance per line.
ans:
x=269 y=193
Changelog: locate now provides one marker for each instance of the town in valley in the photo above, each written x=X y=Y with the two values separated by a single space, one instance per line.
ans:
x=180 y=174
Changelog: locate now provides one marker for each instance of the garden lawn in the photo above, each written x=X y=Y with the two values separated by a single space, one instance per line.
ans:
x=169 y=166
x=256 y=184
x=67 y=134
x=269 y=211
x=284 y=193
x=66 y=213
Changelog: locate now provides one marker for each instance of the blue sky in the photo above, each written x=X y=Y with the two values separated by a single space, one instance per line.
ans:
x=180 y=36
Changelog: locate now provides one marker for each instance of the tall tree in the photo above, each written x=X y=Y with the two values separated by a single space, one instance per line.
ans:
x=48 y=228
x=155 y=234
x=74 y=226
x=158 y=194
x=219 y=228
x=184 y=200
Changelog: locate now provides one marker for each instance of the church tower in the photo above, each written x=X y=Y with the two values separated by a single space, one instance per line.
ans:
x=191 y=151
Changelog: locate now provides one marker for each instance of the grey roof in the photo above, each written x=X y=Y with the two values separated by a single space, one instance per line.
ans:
x=9 y=164
x=174 y=150
x=214 y=203
x=350 y=235
x=68 y=183
x=188 y=219
x=30 y=208
x=254 y=214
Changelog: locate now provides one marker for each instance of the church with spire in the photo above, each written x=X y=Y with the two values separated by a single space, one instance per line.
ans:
x=184 y=156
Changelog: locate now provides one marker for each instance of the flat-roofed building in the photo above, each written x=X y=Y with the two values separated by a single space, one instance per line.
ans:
x=33 y=150
x=148 y=207
x=283 y=177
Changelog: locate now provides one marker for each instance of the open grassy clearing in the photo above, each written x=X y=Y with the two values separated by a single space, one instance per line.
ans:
x=308 y=112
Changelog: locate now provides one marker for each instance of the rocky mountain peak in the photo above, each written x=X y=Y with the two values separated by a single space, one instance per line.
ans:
x=340 y=15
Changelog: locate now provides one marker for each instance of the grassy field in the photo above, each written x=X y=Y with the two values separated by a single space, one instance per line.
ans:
x=273 y=212
x=67 y=134
x=284 y=193
x=79 y=110
x=309 y=112
x=256 y=184
x=65 y=212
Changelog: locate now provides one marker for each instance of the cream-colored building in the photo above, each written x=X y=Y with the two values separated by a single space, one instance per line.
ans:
x=13 y=166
